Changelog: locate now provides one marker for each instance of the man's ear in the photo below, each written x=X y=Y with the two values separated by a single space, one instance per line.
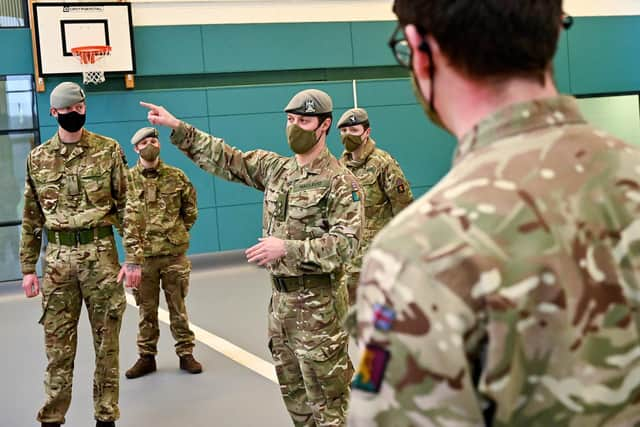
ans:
x=328 y=126
x=420 y=59
x=53 y=112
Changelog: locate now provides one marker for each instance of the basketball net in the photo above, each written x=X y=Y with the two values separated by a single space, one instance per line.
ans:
x=89 y=58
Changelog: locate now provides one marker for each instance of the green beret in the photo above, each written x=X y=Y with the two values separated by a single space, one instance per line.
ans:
x=310 y=102
x=144 y=133
x=353 y=117
x=66 y=94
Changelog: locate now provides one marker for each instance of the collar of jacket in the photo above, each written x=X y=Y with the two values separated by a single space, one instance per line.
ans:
x=518 y=119
x=57 y=144
x=158 y=168
x=319 y=164
x=369 y=147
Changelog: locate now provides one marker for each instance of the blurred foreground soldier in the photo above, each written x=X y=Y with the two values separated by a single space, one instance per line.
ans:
x=506 y=296
x=312 y=223
x=161 y=209
x=75 y=192
x=386 y=190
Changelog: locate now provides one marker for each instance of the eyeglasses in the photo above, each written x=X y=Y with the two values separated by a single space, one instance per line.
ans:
x=567 y=21
x=400 y=47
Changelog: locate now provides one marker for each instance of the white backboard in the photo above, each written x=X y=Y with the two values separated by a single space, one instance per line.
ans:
x=62 y=26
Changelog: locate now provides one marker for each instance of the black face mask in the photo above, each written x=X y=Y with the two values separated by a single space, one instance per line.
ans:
x=72 y=121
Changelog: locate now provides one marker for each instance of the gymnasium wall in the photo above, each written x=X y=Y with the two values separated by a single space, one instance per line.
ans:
x=234 y=79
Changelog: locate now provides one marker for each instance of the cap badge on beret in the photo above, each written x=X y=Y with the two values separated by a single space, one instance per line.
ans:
x=353 y=118
x=309 y=106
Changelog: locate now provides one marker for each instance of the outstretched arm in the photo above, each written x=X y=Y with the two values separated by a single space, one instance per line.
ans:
x=213 y=155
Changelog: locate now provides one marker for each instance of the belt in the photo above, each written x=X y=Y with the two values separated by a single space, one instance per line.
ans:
x=306 y=281
x=78 y=237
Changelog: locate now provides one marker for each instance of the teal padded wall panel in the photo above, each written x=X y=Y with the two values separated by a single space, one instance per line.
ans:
x=561 y=71
x=239 y=226
x=270 y=98
x=168 y=50
x=424 y=151
x=251 y=47
x=47 y=132
x=419 y=191
x=604 y=54
x=204 y=234
x=124 y=106
x=16 y=51
x=385 y=92
x=370 y=46
x=248 y=132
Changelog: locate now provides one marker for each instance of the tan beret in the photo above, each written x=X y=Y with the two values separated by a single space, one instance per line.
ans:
x=353 y=117
x=143 y=133
x=66 y=94
x=310 y=102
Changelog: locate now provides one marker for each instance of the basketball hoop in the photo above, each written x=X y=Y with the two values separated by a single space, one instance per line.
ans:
x=89 y=58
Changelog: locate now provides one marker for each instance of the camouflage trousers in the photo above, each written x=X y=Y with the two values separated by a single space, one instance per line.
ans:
x=172 y=271
x=309 y=347
x=74 y=274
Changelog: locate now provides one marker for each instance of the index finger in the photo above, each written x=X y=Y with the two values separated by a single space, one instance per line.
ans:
x=149 y=105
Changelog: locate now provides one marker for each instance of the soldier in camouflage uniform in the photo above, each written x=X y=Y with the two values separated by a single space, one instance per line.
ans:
x=311 y=226
x=161 y=209
x=507 y=295
x=386 y=190
x=75 y=192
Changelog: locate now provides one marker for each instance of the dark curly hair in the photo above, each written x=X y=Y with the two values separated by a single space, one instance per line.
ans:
x=489 y=39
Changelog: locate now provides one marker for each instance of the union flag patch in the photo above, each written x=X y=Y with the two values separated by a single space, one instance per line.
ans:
x=383 y=317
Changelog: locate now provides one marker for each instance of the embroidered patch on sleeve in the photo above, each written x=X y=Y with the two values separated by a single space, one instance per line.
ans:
x=371 y=370
x=400 y=188
x=383 y=317
x=354 y=192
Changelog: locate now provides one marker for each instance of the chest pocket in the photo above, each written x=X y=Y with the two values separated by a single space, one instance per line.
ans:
x=308 y=204
x=96 y=182
x=48 y=186
x=373 y=194
x=169 y=199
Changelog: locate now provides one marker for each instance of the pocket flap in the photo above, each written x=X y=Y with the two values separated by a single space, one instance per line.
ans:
x=307 y=198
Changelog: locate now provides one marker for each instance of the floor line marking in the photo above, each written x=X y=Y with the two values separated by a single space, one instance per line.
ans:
x=222 y=346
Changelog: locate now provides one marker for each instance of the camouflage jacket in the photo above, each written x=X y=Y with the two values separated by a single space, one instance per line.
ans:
x=71 y=191
x=386 y=190
x=509 y=293
x=315 y=208
x=161 y=209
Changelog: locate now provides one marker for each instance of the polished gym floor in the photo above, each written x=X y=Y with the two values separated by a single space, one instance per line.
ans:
x=227 y=303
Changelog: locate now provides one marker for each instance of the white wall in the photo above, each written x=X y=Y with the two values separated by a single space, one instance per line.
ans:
x=179 y=12
x=602 y=7
x=171 y=12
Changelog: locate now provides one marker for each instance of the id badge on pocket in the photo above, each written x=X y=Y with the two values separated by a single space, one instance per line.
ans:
x=151 y=193
x=281 y=206
x=73 y=185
